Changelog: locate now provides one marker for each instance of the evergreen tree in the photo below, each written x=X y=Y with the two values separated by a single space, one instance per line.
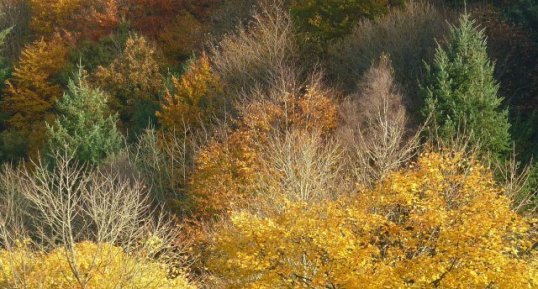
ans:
x=462 y=94
x=5 y=69
x=84 y=127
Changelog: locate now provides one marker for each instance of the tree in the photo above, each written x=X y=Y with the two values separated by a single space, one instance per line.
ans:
x=76 y=226
x=229 y=168
x=374 y=127
x=462 y=95
x=181 y=37
x=84 y=127
x=178 y=26
x=258 y=56
x=426 y=226
x=406 y=34
x=195 y=98
x=134 y=82
x=15 y=14
x=4 y=66
x=31 y=94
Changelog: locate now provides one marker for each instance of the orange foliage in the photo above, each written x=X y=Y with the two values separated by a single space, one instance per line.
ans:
x=195 y=98
x=30 y=95
x=226 y=171
x=151 y=16
x=177 y=25
x=82 y=18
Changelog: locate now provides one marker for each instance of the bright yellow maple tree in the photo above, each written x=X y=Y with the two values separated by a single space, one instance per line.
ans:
x=440 y=223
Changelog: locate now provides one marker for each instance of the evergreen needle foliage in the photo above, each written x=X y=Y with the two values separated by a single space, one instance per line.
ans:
x=5 y=70
x=462 y=94
x=85 y=128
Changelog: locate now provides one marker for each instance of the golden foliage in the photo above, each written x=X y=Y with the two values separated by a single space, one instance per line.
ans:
x=133 y=79
x=195 y=98
x=441 y=223
x=30 y=95
x=226 y=171
x=98 y=266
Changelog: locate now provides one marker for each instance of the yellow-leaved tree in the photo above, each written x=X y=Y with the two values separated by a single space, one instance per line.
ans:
x=31 y=94
x=440 y=223
x=98 y=266
x=195 y=99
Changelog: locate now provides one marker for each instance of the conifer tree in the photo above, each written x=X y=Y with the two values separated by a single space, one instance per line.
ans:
x=84 y=127
x=4 y=66
x=462 y=95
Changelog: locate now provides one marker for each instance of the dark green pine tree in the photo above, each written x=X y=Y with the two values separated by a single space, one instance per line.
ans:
x=85 y=128
x=461 y=93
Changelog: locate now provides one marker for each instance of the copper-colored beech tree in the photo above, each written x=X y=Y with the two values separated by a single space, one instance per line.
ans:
x=83 y=18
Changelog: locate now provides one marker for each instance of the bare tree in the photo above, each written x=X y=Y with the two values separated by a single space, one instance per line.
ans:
x=374 y=126
x=257 y=55
x=71 y=203
x=301 y=165
x=407 y=34
x=514 y=177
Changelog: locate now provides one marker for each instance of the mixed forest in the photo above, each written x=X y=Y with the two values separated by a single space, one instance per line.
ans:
x=337 y=144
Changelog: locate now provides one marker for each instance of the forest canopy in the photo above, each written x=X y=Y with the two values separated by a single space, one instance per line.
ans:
x=159 y=144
